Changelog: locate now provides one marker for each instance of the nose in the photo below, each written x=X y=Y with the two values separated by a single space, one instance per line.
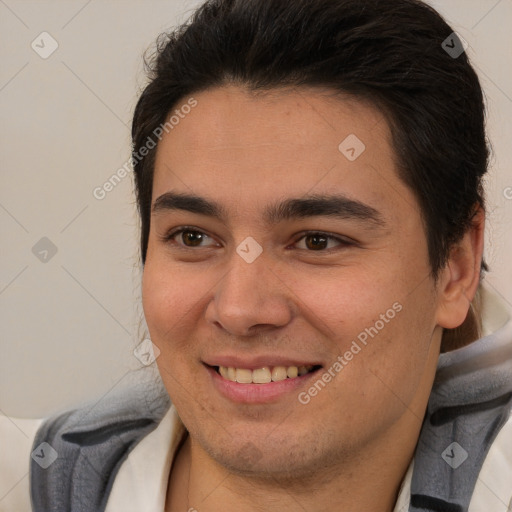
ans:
x=250 y=298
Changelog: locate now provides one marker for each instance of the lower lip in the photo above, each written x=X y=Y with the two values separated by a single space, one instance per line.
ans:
x=256 y=393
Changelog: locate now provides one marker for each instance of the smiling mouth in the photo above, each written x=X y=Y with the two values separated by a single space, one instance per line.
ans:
x=264 y=375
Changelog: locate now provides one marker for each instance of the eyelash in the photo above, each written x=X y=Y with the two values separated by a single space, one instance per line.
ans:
x=344 y=242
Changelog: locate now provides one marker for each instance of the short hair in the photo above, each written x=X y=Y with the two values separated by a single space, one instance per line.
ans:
x=390 y=53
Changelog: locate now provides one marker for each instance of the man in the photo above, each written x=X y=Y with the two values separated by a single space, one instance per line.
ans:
x=312 y=236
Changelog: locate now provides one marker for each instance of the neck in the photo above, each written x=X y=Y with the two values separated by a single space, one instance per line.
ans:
x=368 y=480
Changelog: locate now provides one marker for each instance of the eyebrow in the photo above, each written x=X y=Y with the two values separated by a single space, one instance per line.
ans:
x=335 y=206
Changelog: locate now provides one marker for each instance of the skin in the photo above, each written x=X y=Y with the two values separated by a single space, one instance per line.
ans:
x=246 y=151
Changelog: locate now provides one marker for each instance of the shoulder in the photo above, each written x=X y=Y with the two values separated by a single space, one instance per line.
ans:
x=91 y=441
x=138 y=397
x=16 y=439
x=493 y=355
x=493 y=490
x=466 y=437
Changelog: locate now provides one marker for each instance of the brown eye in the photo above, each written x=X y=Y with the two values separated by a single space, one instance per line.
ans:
x=187 y=238
x=192 y=238
x=316 y=242
x=321 y=242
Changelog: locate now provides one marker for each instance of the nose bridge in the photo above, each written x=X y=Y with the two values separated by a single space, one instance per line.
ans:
x=249 y=294
x=247 y=272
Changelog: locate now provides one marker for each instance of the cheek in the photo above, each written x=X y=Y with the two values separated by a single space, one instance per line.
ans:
x=168 y=300
x=398 y=350
x=159 y=299
x=169 y=291
x=372 y=316
x=345 y=300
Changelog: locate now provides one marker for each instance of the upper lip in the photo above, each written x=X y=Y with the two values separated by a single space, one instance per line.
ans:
x=253 y=363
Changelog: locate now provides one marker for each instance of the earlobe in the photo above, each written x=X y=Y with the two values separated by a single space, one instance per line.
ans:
x=459 y=280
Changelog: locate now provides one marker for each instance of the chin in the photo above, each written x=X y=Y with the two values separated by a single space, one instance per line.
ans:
x=286 y=454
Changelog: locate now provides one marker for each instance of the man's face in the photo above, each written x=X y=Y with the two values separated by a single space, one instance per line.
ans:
x=331 y=280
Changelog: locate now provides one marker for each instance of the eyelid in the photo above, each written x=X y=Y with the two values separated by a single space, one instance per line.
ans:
x=176 y=231
x=343 y=240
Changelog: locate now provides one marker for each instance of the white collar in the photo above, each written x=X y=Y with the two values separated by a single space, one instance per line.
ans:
x=141 y=482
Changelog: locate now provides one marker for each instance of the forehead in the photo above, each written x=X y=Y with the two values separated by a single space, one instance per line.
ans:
x=236 y=145
x=308 y=117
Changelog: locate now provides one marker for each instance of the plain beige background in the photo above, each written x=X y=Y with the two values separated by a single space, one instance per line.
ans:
x=69 y=324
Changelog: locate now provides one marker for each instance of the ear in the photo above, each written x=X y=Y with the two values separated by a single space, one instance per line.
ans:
x=458 y=281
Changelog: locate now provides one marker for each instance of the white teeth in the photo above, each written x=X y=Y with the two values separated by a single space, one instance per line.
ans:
x=243 y=376
x=263 y=375
x=231 y=374
x=279 y=373
x=292 y=372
